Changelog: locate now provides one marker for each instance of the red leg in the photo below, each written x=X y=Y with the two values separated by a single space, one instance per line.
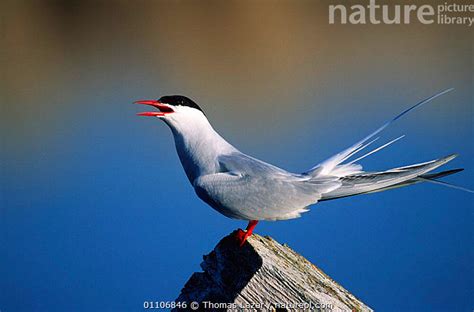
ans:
x=243 y=235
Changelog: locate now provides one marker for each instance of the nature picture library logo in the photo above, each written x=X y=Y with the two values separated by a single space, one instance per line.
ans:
x=373 y=13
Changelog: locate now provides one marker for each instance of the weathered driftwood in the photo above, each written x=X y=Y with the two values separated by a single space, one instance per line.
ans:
x=263 y=275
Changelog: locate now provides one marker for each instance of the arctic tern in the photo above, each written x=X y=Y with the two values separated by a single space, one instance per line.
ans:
x=242 y=187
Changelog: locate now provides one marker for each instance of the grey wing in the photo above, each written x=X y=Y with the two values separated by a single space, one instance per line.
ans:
x=250 y=189
x=371 y=182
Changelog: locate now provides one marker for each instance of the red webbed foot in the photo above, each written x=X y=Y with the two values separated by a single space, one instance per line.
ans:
x=242 y=235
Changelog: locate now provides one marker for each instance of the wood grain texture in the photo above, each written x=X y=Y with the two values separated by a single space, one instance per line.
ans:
x=264 y=275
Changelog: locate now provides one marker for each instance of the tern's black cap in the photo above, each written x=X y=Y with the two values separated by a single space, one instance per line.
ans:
x=179 y=100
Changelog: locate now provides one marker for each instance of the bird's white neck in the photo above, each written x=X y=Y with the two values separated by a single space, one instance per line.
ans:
x=197 y=143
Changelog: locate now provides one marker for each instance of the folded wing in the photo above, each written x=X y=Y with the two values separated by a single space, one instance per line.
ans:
x=370 y=182
x=249 y=189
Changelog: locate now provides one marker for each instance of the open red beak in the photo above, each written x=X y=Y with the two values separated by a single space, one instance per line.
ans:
x=164 y=109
